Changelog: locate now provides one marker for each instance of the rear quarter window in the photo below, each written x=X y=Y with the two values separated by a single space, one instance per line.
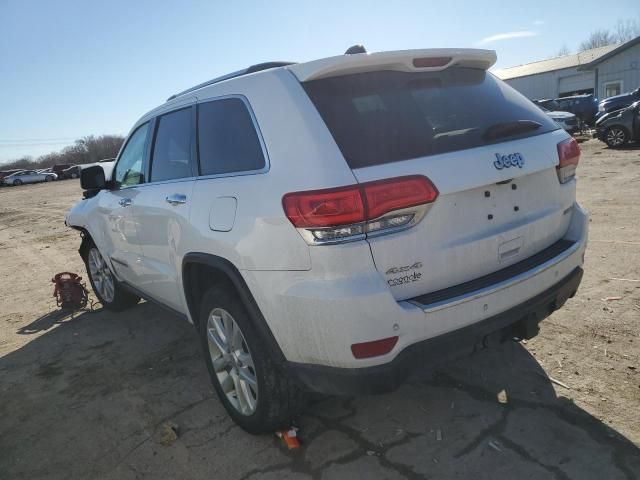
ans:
x=227 y=138
x=388 y=116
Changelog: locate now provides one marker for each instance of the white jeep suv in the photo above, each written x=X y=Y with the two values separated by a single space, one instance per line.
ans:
x=333 y=225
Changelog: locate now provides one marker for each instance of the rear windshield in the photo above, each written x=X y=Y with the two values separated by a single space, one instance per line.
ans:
x=388 y=116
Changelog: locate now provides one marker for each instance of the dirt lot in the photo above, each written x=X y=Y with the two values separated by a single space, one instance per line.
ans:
x=86 y=397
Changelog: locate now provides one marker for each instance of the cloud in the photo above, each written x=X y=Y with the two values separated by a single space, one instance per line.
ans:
x=507 y=36
x=539 y=22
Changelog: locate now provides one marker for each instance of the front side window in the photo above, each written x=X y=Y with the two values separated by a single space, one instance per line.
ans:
x=227 y=138
x=128 y=170
x=172 y=147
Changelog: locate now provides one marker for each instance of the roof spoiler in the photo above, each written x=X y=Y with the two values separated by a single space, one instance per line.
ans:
x=435 y=59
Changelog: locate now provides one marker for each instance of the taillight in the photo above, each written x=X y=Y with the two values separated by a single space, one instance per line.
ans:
x=348 y=213
x=569 y=156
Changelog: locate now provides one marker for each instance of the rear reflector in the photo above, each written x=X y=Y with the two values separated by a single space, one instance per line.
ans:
x=373 y=349
x=427 y=62
x=569 y=156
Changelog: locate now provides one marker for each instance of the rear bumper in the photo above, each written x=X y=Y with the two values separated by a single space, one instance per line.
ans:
x=520 y=321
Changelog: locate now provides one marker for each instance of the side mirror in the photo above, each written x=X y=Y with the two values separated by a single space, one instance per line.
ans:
x=92 y=178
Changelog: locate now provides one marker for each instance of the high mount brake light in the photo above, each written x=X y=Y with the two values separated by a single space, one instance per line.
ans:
x=569 y=156
x=427 y=62
x=348 y=213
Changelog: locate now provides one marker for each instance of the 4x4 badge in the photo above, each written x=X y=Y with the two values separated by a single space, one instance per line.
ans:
x=393 y=270
x=510 y=160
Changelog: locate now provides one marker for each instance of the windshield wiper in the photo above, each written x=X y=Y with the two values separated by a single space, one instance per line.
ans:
x=510 y=129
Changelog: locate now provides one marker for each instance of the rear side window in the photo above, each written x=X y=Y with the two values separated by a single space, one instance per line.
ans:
x=172 y=146
x=227 y=138
x=388 y=116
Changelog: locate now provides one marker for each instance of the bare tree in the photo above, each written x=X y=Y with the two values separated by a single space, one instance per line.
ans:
x=564 y=50
x=627 y=29
x=598 y=38
x=87 y=149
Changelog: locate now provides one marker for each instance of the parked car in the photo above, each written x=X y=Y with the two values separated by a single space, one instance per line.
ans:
x=618 y=102
x=566 y=120
x=5 y=173
x=71 y=172
x=548 y=103
x=584 y=107
x=334 y=225
x=28 y=176
x=59 y=168
x=618 y=128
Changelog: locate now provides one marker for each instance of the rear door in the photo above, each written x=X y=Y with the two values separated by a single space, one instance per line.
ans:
x=161 y=208
x=489 y=151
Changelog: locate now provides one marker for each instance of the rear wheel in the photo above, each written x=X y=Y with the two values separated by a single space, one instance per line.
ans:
x=110 y=292
x=616 y=137
x=17 y=182
x=254 y=390
x=48 y=178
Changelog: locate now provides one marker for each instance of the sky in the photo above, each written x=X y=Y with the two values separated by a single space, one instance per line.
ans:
x=74 y=68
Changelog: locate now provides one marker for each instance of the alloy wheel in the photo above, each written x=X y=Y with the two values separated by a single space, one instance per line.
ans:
x=232 y=361
x=101 y=276
x=616 y=137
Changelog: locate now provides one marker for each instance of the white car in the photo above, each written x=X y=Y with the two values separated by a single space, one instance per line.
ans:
x=336 y=224
x=566 y=120
x=28 y=176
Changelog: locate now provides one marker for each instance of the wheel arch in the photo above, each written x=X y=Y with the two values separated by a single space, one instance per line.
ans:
x=200 y=271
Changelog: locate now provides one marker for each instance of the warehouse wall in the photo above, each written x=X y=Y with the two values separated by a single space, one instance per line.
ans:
x=546 y=85
x=624 y=66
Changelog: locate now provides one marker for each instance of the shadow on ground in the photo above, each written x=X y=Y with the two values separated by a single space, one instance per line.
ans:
x=87 y=399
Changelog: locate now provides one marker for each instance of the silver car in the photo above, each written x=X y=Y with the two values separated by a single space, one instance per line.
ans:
x=28 y=176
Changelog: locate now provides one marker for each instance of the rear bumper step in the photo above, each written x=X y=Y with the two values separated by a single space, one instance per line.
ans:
x=429 y=299
x=520 y=321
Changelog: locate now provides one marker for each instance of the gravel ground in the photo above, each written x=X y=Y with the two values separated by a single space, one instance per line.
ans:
x=90 y=396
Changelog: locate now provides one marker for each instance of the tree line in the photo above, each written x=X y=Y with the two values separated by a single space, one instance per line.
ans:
x=622 y=32
x=87 y=149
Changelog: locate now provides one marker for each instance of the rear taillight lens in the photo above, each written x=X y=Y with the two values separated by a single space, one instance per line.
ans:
x=569 y=156
x=348 y=213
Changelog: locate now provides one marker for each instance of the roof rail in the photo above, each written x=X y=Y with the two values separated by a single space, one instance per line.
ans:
x=252 y=69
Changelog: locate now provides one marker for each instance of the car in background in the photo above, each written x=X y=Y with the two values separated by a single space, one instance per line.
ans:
x=548 y=103
x=566 y=120
x=71 y=172
x=584 y=107
x=619 y=127
x=618 y=102
x=5 y=173
x=28 y=176
x=59 y=168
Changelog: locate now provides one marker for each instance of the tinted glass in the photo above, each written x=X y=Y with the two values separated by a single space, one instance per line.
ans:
x=387 y=116
x=172 y=147
x=227 y=138
x=128 y=170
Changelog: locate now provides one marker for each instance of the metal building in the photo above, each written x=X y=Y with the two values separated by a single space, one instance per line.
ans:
x=605 y=71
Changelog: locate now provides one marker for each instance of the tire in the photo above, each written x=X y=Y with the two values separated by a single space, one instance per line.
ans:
x=17 y=182
x=110 y=292
x=257 y=393
x=74 y=175
x=48 y=178
x=616 y=137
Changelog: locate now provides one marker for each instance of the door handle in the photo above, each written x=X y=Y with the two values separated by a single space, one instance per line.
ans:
x=176 y=199
x=124 y=202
